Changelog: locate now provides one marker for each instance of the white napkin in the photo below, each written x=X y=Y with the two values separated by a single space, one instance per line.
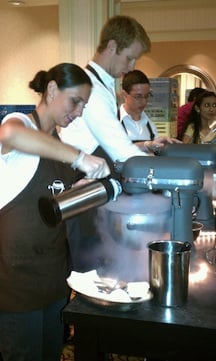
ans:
x=85 y=283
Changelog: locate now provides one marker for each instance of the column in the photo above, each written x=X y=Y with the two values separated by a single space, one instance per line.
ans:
x=80 y=22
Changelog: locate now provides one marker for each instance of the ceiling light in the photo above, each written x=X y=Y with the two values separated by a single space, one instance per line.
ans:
x=16 y=2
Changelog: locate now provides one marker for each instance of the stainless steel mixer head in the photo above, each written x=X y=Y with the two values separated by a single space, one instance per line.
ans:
x=205 y=154
x=181 y=176
x=160 y=173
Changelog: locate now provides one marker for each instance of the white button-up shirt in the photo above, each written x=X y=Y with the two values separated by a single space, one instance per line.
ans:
x=99 y=124
x=137 y=129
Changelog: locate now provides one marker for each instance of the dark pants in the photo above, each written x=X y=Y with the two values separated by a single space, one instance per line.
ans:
x=32 y=336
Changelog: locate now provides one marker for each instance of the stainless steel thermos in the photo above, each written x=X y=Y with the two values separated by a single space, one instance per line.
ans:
x=78 y=199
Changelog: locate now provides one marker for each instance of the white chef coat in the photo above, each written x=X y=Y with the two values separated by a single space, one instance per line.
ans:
x=99 y=124
x=137 y=129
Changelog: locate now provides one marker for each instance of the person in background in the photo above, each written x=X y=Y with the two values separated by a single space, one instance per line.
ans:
x=140 y=129
x=201 y=117
x=185 y=109
x=34 y=259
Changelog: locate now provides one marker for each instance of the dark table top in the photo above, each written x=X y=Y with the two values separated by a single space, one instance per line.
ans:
x=195 y=320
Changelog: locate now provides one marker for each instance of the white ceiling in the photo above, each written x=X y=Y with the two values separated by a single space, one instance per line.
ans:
x=55 y=2
x=40 y=2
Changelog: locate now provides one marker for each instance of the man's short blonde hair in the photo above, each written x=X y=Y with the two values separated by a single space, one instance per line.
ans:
x=124 y=30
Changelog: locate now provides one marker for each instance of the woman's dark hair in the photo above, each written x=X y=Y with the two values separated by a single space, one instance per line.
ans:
x=194 y=93
x=132 y=78
x=194 y=116
x=66 y=75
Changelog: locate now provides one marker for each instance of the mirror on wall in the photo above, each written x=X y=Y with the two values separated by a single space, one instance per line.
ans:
x=189 y=77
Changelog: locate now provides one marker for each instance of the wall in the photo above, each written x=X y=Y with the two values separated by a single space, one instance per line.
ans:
x=164 y=55
x=29 y=42
x=181 y=31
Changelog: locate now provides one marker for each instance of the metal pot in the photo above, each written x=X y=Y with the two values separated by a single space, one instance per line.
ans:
x=135 y=220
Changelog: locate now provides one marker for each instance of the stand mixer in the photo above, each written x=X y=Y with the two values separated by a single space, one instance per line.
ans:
x=182 y=177
x=206 y=155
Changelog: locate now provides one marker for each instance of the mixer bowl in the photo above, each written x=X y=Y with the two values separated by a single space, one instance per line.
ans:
x=133 y=221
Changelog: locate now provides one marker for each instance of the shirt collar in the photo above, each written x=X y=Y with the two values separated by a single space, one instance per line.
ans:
x=124 y=115
x=108 y=80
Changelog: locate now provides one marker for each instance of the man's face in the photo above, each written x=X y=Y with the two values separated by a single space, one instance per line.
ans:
x=136 y=100
x=124 y=62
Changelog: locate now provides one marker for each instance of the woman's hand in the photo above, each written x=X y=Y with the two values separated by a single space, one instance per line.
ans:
x=94 y=167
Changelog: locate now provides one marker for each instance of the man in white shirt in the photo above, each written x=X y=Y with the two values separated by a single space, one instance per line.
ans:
x=136 y=93
x=139 y=128
x=123 y=40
